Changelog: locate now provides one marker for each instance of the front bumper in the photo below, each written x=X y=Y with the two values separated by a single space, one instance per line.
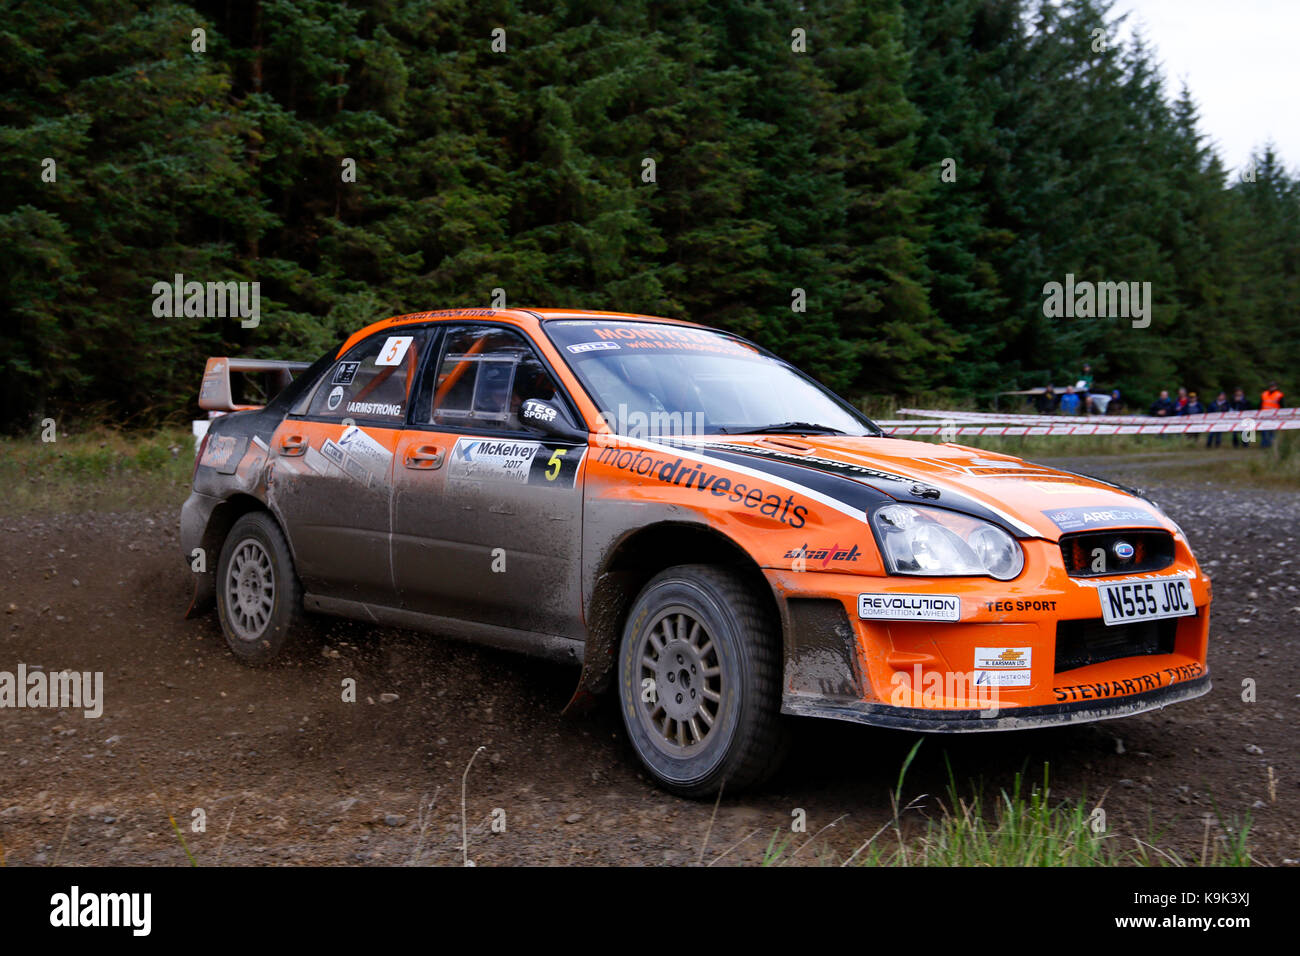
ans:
x=1017 y=718
x=934 y=675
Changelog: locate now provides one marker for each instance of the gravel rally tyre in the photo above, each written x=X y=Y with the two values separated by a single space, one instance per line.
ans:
x=700 y=682
x=259 y=598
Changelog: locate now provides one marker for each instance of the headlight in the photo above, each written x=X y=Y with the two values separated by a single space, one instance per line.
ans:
x=931 y=541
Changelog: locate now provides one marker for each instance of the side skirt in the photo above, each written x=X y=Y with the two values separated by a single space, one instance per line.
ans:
x=549 y=646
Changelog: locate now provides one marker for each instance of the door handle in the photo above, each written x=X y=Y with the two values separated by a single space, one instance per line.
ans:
x=424 y=457
x=291 y=446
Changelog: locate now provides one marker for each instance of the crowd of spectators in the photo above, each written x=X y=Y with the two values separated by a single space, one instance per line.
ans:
x=1080 y=398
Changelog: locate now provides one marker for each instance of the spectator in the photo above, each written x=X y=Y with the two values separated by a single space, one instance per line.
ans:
x=1193 y=407
x=1070 y=401
x=1220 y=404
x=1181 y=403
x=1239 y=403
x=1116 y=404
x=1046 y=401
x=1271 y=397
x=1164 y=405
x=1086 y=378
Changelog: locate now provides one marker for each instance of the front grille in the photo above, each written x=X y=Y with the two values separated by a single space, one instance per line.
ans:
x=1089 y=550
x=1080 y=643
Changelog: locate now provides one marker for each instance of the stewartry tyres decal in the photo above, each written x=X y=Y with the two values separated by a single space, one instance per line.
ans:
x=854 y=485
x=515 y=462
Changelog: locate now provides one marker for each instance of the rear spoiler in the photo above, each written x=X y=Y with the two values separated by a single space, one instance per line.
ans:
x=215 y=394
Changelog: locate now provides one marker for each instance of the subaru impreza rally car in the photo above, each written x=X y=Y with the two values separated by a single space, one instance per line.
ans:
x=704 y=529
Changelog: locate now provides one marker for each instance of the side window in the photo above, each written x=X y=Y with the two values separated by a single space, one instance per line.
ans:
x=484 y=375
x=372 y=381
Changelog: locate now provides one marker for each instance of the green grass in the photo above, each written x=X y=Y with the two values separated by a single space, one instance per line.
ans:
x=95 y=469
x=1022 y=826
x=1025 y=827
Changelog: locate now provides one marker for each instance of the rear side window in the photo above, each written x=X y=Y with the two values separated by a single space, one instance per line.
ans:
x=373 y=380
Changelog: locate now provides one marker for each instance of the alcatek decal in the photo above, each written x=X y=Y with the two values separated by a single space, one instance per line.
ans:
x=823 y=556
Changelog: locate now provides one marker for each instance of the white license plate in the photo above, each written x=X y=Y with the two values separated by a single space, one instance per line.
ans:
x=1146 y=600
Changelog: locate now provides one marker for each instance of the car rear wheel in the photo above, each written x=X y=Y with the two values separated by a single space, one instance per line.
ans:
x=700 y=682
x=259 y=599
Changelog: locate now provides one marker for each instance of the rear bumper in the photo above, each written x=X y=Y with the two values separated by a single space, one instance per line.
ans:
x=196 y=512
x=196 y=520
x=996 y=718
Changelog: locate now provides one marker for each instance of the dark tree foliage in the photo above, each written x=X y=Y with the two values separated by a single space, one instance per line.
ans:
x=913 y=171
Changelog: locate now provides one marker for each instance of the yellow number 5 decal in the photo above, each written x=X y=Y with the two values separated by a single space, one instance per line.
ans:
x=553 y=466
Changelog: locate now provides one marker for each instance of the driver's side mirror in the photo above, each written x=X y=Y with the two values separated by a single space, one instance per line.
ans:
x=550 y=419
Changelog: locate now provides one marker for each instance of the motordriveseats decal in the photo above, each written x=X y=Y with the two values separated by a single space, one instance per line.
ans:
x=846 y=482
x=676 y=470
x=696 y=457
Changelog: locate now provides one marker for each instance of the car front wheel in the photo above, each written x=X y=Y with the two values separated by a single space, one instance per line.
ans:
x=700 y=682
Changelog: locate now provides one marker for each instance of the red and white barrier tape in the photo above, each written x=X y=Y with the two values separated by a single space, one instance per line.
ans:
x=1177 y=426
x=960 y=416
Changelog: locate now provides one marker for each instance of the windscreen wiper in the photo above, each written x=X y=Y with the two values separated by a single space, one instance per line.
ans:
x=795 y=427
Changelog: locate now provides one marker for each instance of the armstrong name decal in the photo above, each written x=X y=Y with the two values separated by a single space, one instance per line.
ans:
x=374 y=408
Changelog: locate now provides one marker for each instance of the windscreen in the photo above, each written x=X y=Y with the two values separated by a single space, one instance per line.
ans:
x=655 y=379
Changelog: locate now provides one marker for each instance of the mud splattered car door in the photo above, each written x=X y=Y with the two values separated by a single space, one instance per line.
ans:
x=332 y=475
x=487 y=510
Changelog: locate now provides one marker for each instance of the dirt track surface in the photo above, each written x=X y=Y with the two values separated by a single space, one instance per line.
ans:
x=287 y=773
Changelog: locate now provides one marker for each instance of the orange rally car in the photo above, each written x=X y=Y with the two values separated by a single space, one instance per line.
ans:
x=698 y=524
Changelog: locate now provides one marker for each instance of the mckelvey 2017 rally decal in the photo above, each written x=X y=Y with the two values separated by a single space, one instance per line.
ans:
x=514 y=462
